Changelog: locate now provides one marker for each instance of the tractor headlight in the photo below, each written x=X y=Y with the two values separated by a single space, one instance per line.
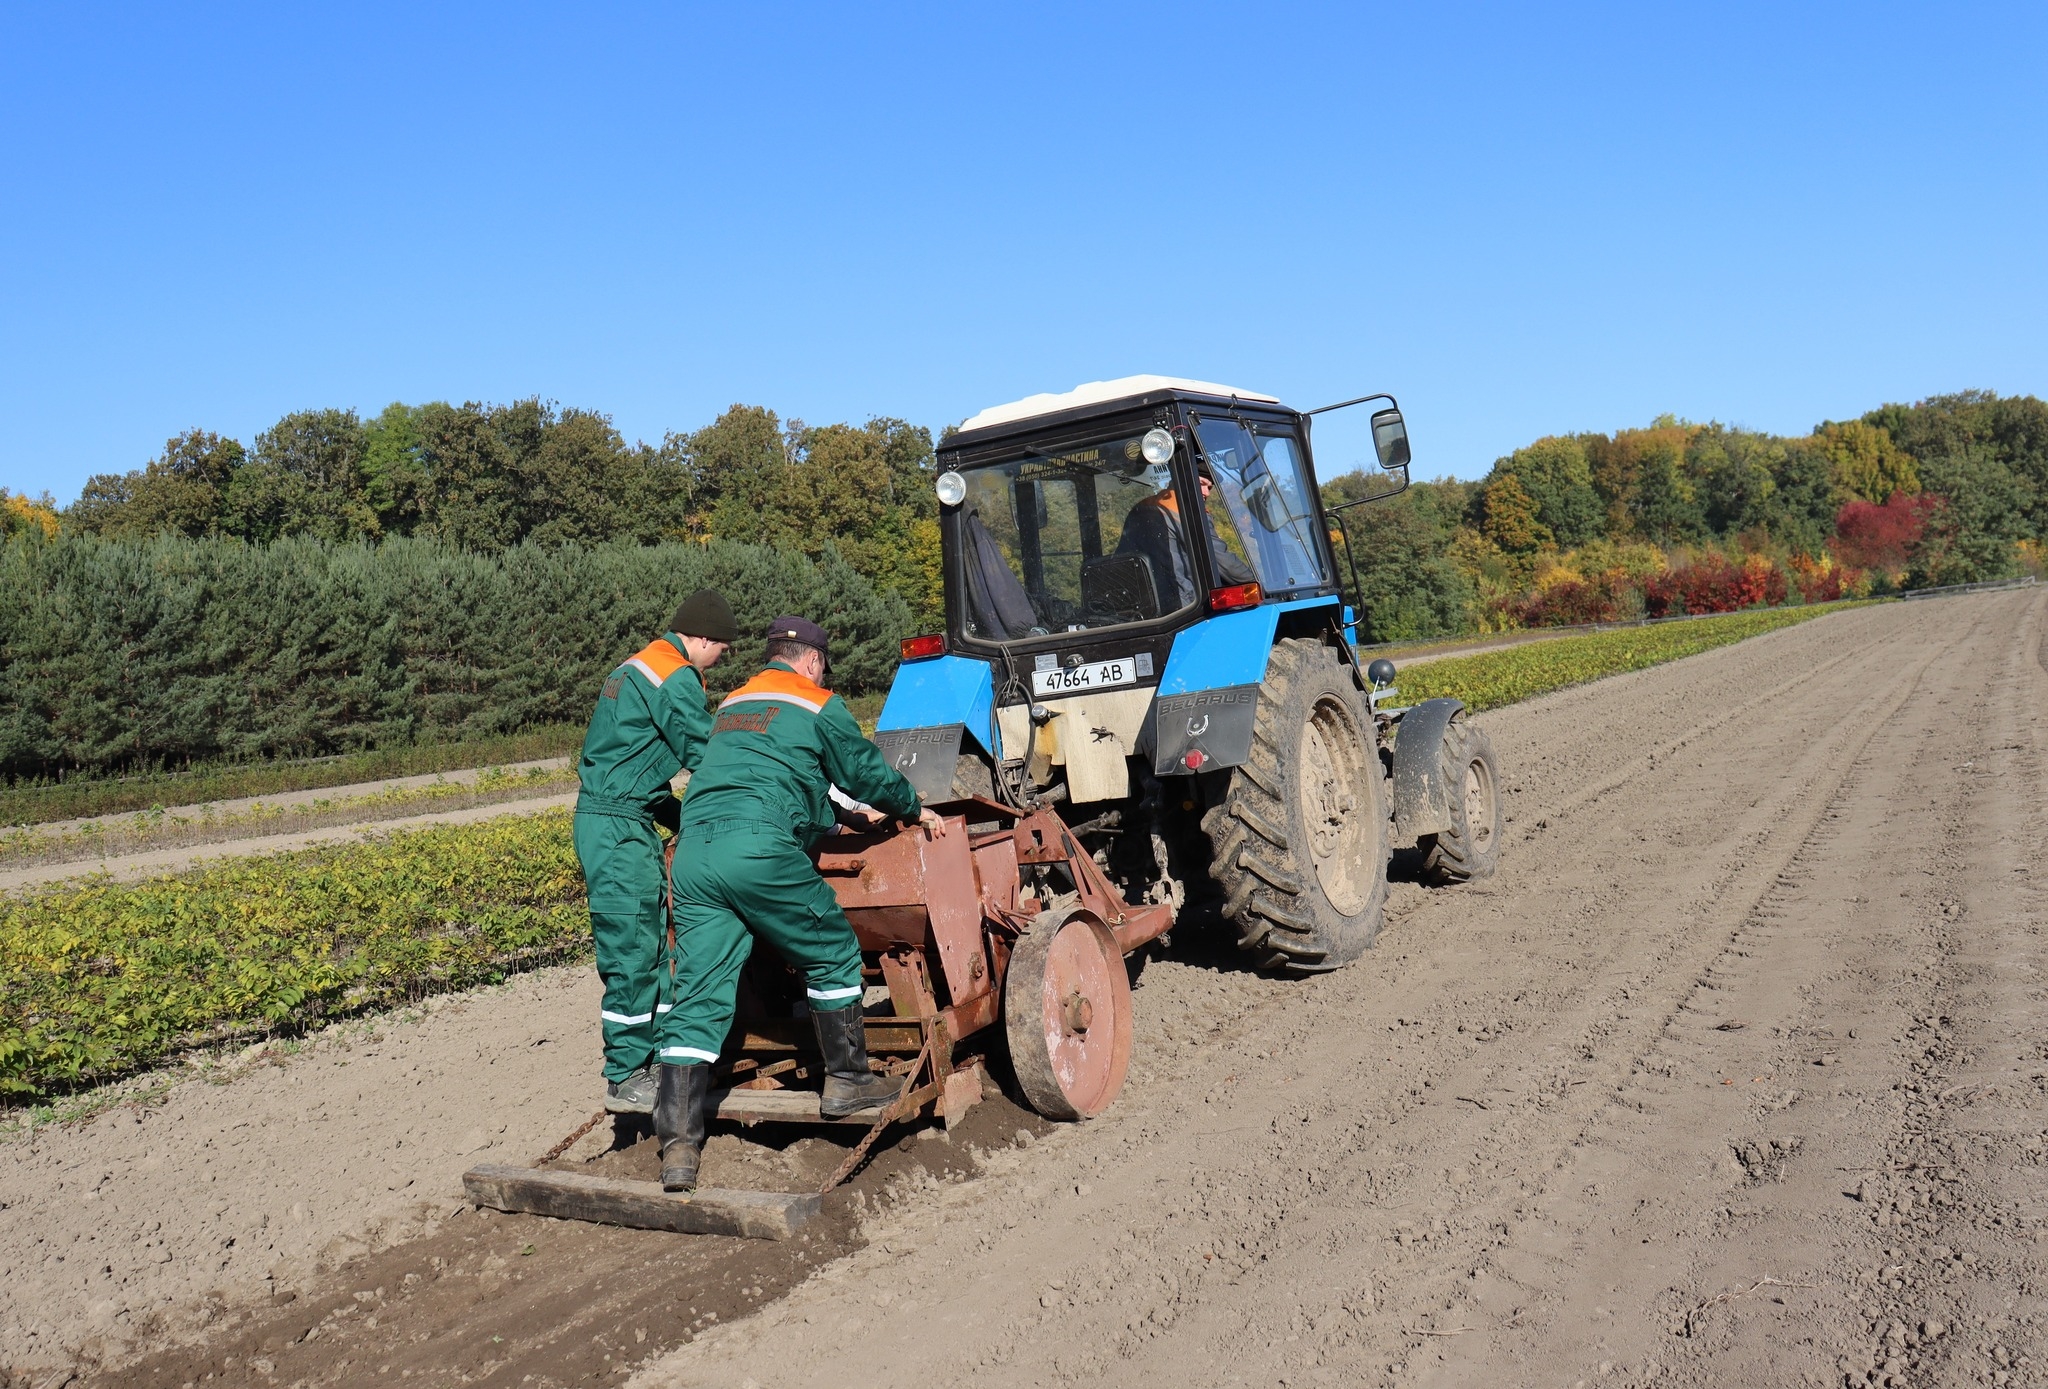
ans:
x=952 y=488
x=1157 y=447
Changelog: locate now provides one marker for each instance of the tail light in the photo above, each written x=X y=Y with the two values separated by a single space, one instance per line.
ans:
x=1228 y=600
x=921 y=648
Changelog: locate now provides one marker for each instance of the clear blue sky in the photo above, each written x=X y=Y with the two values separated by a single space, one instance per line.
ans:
x=1521 y=220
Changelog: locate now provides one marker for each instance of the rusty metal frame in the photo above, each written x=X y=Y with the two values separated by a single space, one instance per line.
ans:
x=941 y=914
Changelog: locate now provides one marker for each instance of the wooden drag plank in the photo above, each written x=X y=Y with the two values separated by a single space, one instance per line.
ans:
x=779 y=1107
x=638 y=1205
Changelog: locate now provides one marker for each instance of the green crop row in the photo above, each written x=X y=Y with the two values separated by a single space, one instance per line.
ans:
x=1494 y=678
x=99 y=979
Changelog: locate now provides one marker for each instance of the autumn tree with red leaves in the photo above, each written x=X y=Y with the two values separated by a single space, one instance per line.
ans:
x=1883 y=539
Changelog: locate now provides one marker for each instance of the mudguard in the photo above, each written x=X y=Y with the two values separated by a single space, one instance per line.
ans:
x=925 y=756
x=1201 y=731
x=1422 y=802
x=936 y=693
x=1209 y=692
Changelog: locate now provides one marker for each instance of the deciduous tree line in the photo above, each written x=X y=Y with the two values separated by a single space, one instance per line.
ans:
x=1577 y=527
x=440 y=570
x=486 y=477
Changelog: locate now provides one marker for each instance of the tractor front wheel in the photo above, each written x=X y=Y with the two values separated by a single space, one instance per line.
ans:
x=1299 y=840
x=1470 y=848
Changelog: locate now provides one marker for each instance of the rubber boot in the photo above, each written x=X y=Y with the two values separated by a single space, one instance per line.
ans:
x=850 y=1086
x=679 y=1123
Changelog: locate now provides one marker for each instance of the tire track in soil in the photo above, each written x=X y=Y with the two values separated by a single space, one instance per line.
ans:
x=1956 y=1196
x=1807 y=1322
x=1337 y=1232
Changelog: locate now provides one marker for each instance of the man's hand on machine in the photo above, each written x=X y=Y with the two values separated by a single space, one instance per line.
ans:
x=933 y=823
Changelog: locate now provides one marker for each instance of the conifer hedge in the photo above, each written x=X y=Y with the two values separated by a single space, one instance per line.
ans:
x=118 y=653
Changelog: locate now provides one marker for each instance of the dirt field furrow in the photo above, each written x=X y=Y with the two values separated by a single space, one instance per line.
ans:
x=1734 y=1075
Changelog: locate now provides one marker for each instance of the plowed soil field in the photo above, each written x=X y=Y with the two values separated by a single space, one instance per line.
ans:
x=1736 y=1074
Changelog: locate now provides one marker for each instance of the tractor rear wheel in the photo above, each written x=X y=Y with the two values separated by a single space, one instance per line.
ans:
x=1470 y=849
x=1299 y=840
x=972 y=777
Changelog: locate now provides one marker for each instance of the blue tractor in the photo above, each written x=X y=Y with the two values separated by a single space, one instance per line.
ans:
x=1146 y=630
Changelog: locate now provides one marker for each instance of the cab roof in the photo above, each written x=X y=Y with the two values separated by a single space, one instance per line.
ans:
x=1099 y=392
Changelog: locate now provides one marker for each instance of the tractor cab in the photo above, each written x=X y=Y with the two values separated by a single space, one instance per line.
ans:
x=1119 y=560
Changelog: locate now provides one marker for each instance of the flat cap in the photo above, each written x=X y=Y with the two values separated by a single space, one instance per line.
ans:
x=706 y=614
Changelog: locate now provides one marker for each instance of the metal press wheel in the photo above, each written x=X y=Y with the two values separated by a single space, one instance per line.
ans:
x=1067 y=1009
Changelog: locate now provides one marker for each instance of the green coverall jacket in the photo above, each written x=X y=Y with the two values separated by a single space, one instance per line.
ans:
x=757 y=804
x=651 y=722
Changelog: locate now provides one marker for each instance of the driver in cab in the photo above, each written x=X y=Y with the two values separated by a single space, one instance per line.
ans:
x=1154 y=528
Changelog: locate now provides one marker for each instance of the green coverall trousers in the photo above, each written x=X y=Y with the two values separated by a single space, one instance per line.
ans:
x=621 y=860
x=734 y=880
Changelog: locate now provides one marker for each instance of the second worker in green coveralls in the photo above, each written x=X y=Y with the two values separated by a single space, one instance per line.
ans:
x=757 y=803
x=652 y=721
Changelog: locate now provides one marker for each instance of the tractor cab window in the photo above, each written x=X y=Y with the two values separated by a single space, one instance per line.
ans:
x=1064 y=542
x=1263 y=487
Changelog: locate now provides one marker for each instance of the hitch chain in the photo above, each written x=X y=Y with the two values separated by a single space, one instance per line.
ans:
x=890 y=1115
x=566 y=1144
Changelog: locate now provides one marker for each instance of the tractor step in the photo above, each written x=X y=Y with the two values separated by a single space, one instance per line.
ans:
x=639 y=1205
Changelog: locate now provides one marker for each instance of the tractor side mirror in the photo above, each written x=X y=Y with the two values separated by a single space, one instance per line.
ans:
x=1390 y=439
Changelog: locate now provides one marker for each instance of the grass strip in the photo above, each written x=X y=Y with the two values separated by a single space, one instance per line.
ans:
x=80 y=797
x=1495 y=678
x=99 y=979
x=162 y=828
x=76 y=798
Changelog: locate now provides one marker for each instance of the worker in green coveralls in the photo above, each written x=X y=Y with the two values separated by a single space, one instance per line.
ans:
x=757 y=804
x=652 y=721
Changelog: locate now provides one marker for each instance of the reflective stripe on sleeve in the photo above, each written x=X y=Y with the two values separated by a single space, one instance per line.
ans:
x=649 y=671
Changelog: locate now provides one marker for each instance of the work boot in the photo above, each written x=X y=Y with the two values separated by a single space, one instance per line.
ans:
x=633 y=1095
x=850 y=1086
x=679 y=1123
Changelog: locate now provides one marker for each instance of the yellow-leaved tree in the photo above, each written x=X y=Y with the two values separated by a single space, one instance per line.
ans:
x=1864 y=464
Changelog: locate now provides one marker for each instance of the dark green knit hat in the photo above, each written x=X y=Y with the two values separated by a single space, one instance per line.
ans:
x=706 y=614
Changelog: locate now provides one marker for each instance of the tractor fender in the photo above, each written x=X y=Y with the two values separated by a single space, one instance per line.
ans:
x=1208 y=693
x=925 y=756
x=937 y=693
x=1422 y=802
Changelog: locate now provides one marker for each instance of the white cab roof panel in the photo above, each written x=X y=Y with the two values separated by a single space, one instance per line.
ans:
x=1096 y=392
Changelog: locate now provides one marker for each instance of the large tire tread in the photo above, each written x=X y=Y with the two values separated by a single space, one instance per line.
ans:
x=1465 y=852
x=1271 y=894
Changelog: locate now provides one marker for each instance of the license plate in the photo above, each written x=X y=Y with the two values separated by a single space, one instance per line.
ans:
x=1102 y=675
